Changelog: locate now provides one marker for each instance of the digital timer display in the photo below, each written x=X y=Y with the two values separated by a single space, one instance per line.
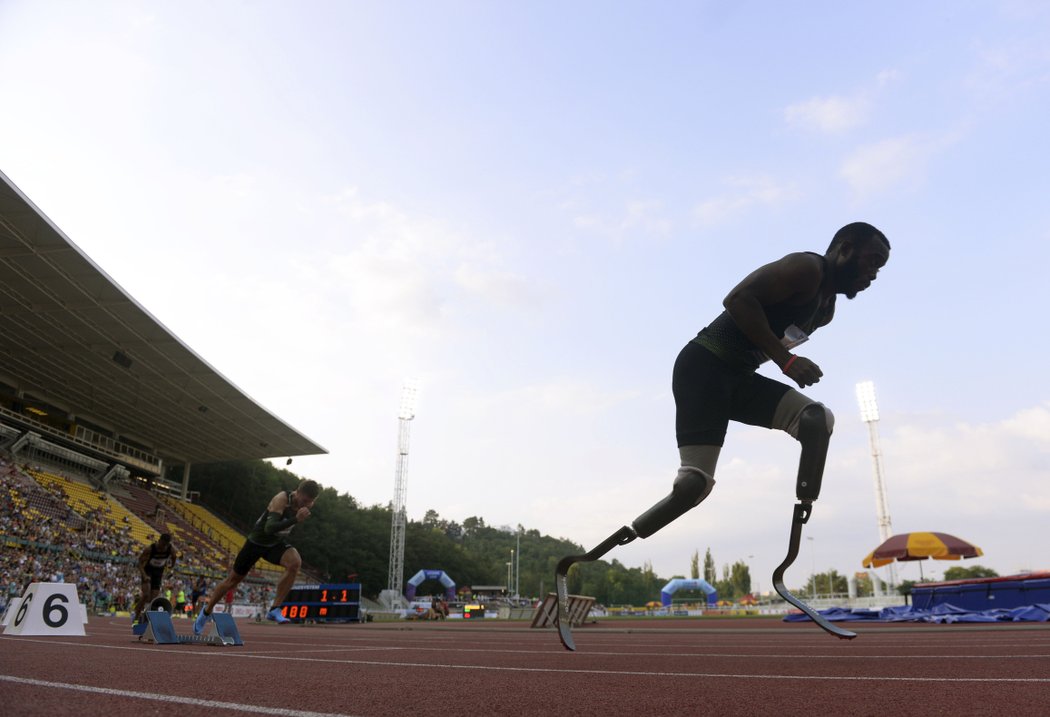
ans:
x=323 y=603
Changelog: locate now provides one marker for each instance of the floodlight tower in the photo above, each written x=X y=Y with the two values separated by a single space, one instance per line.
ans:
x=407 y=411
x=869 y=413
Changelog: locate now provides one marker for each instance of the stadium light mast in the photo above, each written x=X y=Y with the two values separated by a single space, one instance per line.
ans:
x=869 y=413
x=405 y=414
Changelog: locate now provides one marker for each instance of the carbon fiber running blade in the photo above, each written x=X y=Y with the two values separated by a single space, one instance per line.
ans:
x=561 y=579
x=778 y=585
x=799 y=516
x=561 y=582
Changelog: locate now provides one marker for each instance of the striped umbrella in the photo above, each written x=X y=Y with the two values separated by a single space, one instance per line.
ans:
x=920 y=546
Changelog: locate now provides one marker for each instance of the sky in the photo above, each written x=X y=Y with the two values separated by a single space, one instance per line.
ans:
x=531 y=208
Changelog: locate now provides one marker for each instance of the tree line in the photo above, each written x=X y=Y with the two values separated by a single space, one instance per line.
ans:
x=346 y=541
x=832 y=582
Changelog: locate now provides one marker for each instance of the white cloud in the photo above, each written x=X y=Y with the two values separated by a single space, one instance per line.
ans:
x=579 y=398
x=407 y=271
x=238 y=186
x=745 y=192
x=836 y=114
x=1032 y=424
x=1003 y=72
x=895 y=162
x=1005 y=457
x=636 y=216
x=828 y=114
x=877 y=167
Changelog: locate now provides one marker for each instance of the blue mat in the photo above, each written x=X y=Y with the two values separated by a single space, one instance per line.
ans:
x=943 y=613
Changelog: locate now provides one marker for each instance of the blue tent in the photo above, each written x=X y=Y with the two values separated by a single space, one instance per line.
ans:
x=683 y=584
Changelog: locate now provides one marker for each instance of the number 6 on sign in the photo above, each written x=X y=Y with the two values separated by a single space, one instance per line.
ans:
x=48 y=609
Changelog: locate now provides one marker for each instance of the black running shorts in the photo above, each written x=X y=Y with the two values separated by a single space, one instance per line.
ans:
x=709 y=393
x=251 y=552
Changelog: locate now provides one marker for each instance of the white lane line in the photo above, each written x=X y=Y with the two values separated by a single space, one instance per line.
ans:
x=176 y=699
x=316 y=648
x=320 y=647
x=298 y=650
x=642 y=673
x=607 y=653
x=408 y=640
x=569 y=671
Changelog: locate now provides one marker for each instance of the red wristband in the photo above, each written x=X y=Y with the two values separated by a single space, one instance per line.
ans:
x=788 y=364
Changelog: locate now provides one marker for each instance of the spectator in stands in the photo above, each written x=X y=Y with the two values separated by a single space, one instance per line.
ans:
x=152 y=561
x=230 y=595
x=267 y=539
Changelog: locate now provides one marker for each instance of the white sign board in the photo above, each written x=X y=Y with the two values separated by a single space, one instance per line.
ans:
x=48 y=609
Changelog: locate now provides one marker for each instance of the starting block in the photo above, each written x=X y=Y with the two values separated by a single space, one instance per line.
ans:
x=158 y=628
x=158 y=605
x=226 y=629
x=546 y=614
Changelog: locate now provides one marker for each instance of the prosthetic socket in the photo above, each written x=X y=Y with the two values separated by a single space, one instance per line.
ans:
x=691 y=486
x=814 y=433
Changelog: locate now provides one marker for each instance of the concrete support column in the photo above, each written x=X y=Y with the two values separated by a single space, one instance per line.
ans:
x=185 y=480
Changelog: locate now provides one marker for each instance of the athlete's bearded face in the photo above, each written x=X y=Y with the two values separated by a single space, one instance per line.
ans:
x=862 y=267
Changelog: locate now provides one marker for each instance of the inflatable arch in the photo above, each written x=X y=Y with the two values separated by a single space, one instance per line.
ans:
x=683 y=584
x=424 y=575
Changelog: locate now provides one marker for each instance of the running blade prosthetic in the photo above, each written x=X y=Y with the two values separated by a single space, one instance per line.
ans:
x=561 y=579
x=799 y=517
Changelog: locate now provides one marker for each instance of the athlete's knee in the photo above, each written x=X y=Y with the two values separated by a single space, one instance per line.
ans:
x=815 y=423
x=291 y=560
x=690 y=487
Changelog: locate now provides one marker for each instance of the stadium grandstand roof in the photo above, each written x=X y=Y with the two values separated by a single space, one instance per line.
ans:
x=73 y=339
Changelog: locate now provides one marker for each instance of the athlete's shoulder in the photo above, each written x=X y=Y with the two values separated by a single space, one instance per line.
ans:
x=792 y=274
x=803 y=271
x=279 y=502
x=803 y=262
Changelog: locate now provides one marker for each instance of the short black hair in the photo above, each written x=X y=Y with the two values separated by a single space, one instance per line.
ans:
x=310 y=488
x=858 y=233
x=165 y=536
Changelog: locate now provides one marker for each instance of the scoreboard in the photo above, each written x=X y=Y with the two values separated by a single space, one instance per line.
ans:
x=336 y=602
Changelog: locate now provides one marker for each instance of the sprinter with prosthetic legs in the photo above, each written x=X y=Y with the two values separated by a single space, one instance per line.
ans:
x=715 y=381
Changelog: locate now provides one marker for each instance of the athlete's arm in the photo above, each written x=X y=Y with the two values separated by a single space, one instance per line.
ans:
x=143 y=559
x=278 y=503
x=274 y=521
x=795 y=279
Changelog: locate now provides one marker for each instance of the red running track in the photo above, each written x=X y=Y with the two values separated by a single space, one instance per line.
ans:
x=656 y=667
